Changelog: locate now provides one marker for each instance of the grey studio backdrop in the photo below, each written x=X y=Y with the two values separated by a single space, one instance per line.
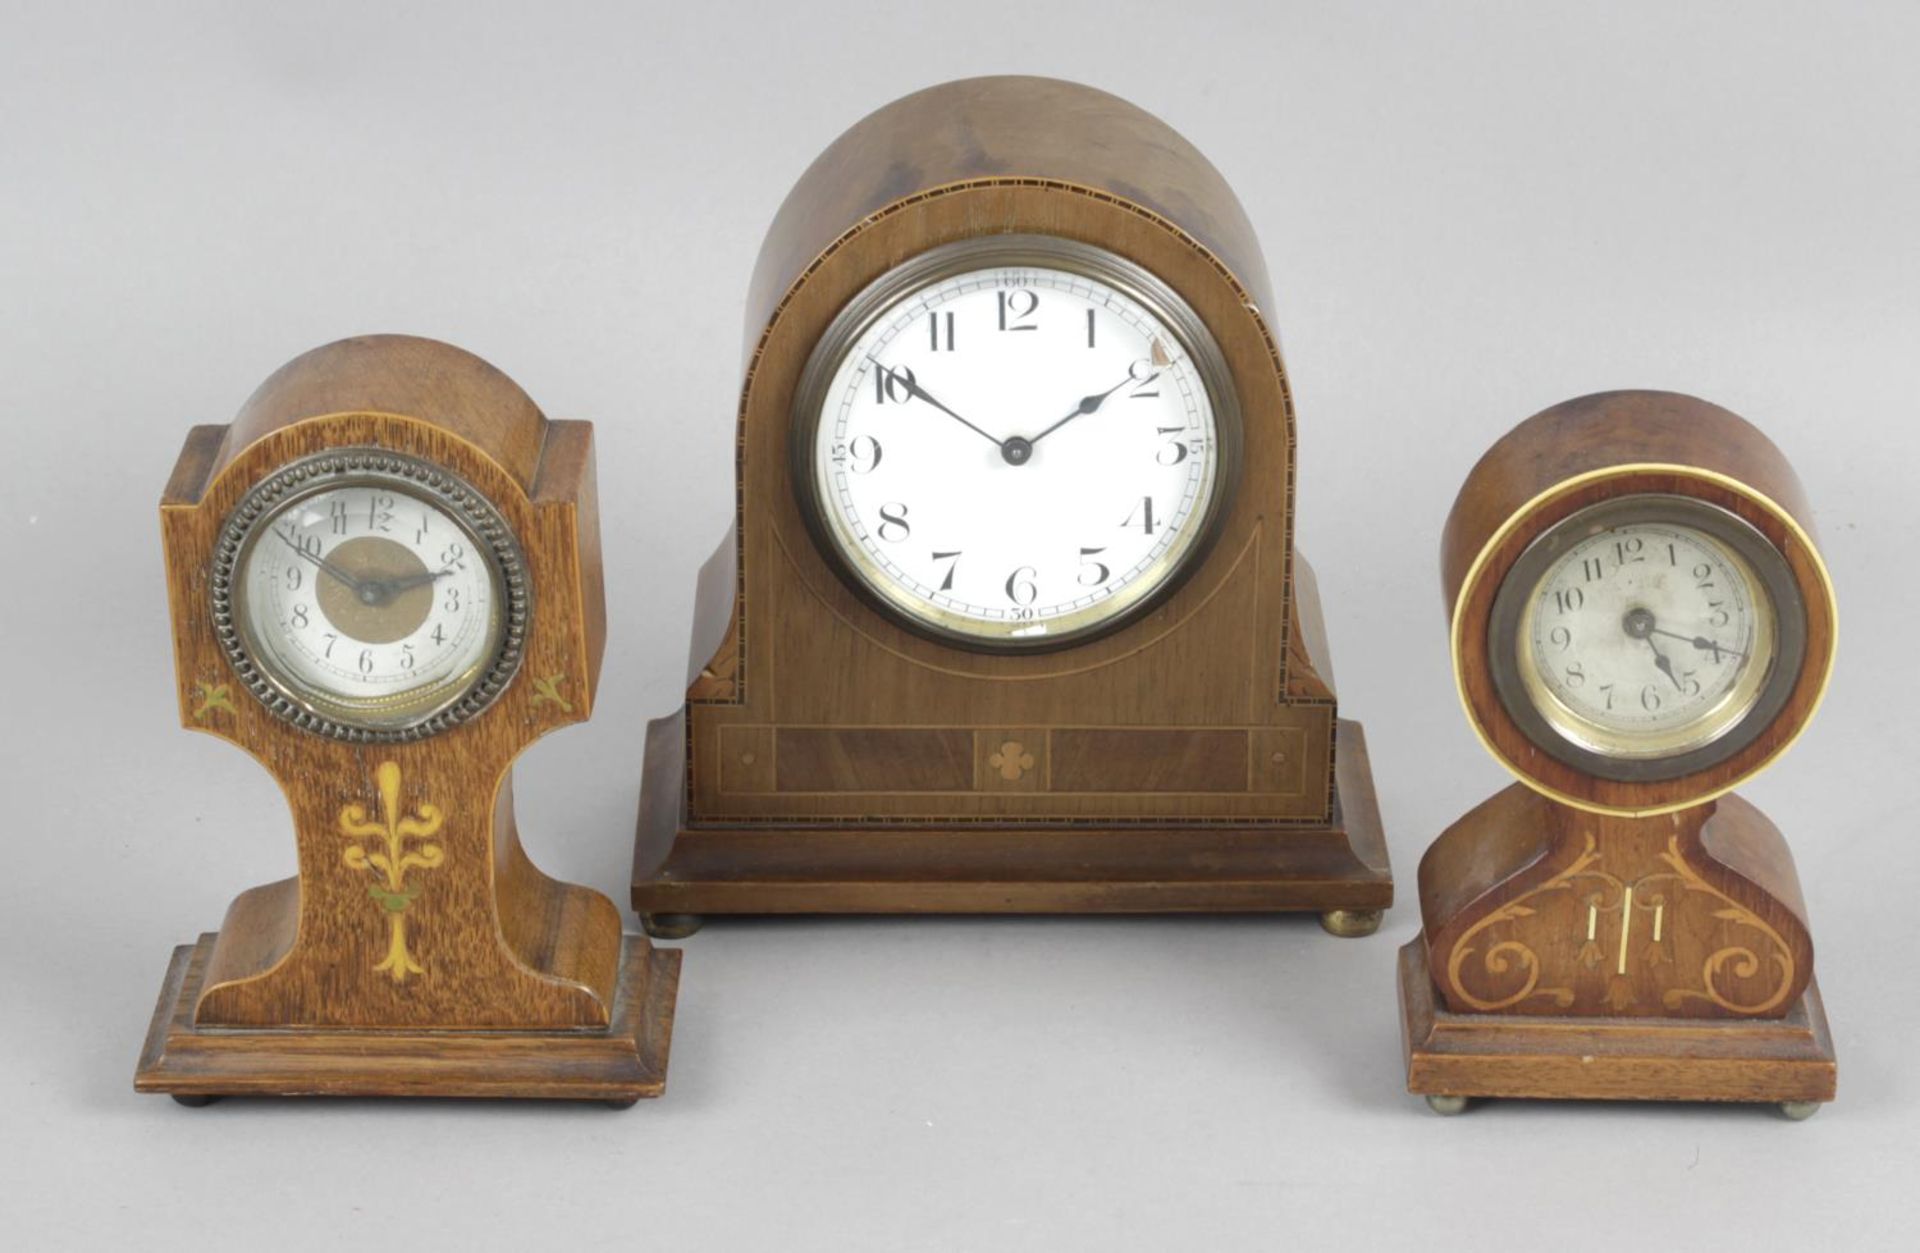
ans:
x=1470 y=211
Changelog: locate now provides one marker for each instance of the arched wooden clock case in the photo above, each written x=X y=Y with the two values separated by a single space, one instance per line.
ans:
x=1623 y=928
x=832 y=758
x=418 y=952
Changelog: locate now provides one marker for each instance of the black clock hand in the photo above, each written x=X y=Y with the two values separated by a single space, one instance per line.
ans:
x=914 y=389
x=1666 y=666
x=379 y=592
x=1639 y=625
x=1702 y=643
x=340 y=576
x=1089 y=404
x=407 y=583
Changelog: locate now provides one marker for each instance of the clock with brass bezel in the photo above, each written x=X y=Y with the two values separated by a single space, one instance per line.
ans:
x=1015 y=442
x=371 y=596
x=385 y=584
x=1641 y=622
x=1011 y=617
x=1647 y=637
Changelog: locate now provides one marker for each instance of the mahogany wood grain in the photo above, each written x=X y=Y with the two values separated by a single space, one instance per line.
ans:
x=624 y=1063
x=1787 y=1059
x=1534 y=907
x=1625 y=939
x=1216 y=701
x=501 y=946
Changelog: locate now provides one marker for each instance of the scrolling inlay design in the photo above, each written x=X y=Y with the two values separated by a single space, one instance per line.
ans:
x=1613 y=962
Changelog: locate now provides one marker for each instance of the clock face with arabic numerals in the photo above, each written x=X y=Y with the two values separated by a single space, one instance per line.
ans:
x=1016 y=443
x=1646 y=636
x=372 y=599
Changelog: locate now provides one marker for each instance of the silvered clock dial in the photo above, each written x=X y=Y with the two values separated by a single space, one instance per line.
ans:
x=370 y=595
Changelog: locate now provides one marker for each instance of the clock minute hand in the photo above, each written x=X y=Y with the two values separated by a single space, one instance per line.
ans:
x=914 y=389
x=1702 y=643
x=340 y=576
x=1089 y=404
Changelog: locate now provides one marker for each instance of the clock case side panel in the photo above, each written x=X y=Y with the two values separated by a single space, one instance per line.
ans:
x=514 y=947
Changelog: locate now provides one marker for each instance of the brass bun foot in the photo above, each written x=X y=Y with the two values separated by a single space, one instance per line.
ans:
x=1447 y=1106
x=1351 y=924
x=1800 y=1111
x=671 y=926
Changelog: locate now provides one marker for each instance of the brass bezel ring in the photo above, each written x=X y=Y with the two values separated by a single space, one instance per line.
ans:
x=493 y=537
x=1817 y=593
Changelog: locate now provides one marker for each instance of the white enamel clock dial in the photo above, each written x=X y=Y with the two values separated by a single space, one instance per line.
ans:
x=369 y=602
x=1647 y=638
x=1021 y=452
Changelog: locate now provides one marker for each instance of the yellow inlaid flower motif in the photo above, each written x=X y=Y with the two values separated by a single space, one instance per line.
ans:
x=548 y=688
x=390 y=860
x=211 y=696
x=1012 y=761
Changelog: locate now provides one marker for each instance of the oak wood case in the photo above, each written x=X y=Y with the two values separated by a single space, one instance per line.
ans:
x=500 y=961
x=831 y=759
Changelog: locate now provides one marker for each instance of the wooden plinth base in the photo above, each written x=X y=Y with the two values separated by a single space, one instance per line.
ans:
x=1003 y=869
x=1787 y=1060
x=620 y=1065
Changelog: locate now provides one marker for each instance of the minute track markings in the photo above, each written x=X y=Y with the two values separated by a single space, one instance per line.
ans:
x=1039 y=492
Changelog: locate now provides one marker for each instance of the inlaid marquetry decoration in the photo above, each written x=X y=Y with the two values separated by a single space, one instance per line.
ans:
x=209 y=698
x=1011 y=618
x=1012 y=760
x=1641 y=621
x=384 y=585
x=1664 y=943
x=398 y=841
x=546 y=689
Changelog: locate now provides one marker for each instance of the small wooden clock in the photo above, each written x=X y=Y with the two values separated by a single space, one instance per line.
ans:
x=385 y=581
x=1010 y=618
x=1641 y=622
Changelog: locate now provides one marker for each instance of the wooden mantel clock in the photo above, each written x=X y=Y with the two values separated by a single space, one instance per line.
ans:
x=1010 y=618
x=385 y=582
x=1641 y=622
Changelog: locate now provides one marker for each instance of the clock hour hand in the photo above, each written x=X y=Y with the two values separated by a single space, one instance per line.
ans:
x=914 y=389
x=1666 y=666
x=1700 y=642
x=1088 y=404
x=407 y=583
x=1638 y=624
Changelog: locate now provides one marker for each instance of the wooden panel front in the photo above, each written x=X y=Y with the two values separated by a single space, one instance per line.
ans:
x=810 y=772
x=824 y=759
x=1150 y=761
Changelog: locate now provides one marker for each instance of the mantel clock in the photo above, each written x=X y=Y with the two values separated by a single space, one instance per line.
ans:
x=1010 y=617
x=1641 y=622
x=385 y=583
